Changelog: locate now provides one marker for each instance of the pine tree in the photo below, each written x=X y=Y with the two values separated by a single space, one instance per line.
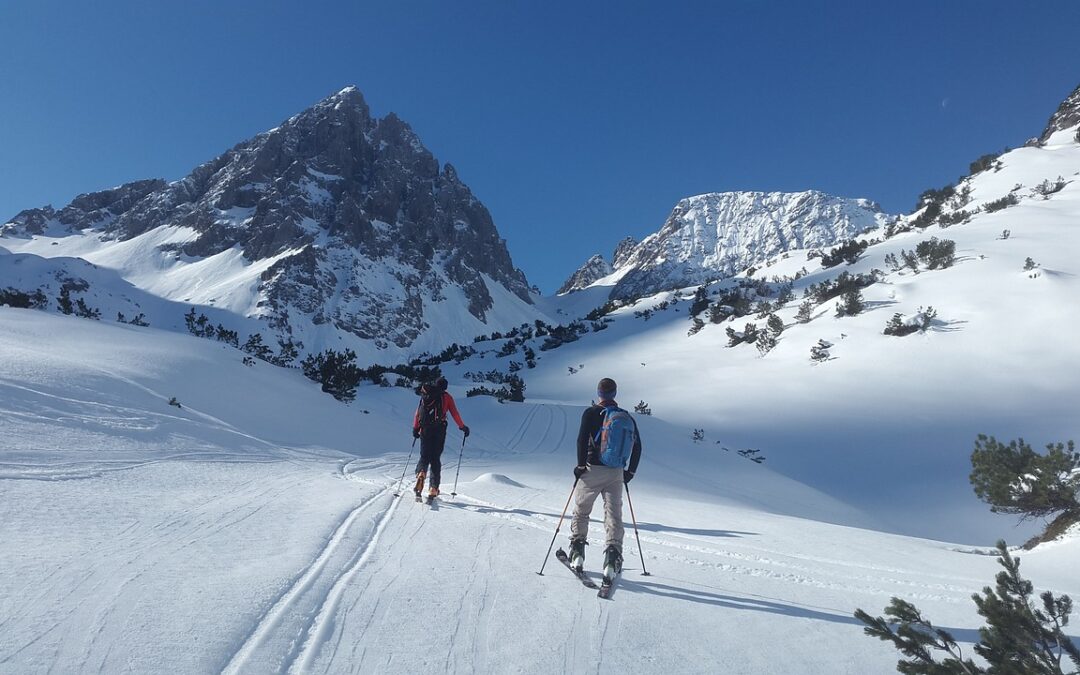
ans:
x=701 y=302
x=1018 y=638
x=851 y=303
x=256 y=347
x=806 y=310
x=66 y=306
x=1015 y=479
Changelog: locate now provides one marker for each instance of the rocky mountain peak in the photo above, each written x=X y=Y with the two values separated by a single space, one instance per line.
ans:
x=594 y=269
x=342 y=200
x=717 y=235
x=1066 y=116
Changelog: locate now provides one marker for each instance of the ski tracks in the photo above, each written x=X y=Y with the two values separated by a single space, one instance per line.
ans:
x=290 y=634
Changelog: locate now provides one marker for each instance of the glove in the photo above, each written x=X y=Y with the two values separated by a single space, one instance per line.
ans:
x=416 y=432
x=627 y=476
x=579 y=471
x=465 y=430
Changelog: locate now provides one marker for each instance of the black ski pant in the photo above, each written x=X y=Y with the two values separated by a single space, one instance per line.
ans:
x=431 y=449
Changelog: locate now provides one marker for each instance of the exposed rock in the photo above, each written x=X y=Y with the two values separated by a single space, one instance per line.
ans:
x=594 y=268
x=1066 y=116
x=717 y=235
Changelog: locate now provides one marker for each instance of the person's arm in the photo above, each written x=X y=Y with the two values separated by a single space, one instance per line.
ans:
x=583 y=438
x=448 y=403
x=635 y=454
x=416 y=418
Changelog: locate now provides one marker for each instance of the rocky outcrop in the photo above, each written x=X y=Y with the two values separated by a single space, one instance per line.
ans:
x=594 y=269
x=1065 y=117
x=718 y=235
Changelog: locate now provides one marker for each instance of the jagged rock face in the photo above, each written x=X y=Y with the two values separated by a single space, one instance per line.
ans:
x=96 y=209
x=595 y=268
x=365 y=223
x=1066 y=116
x=623 y=251
x=717 y=235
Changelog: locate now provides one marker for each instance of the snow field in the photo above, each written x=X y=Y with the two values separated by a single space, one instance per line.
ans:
x=278 y=547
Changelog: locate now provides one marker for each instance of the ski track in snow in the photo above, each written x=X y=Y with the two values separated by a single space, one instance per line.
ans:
x=278 y=639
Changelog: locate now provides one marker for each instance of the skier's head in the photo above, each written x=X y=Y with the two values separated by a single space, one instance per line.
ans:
x=606 y=389
x=441 y=383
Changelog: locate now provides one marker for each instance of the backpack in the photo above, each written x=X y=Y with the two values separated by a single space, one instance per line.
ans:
x=431 y=410
x=616 y=437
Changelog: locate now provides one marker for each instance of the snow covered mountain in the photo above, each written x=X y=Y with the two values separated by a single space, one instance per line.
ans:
x=717 y=235
x=334 y=228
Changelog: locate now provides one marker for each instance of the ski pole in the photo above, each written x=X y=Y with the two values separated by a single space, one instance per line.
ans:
x=552 y=545
x=397 y=492
x=629 y=501
x=458 y=472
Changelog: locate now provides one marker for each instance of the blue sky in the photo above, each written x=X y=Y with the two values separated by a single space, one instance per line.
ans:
x=576 y=123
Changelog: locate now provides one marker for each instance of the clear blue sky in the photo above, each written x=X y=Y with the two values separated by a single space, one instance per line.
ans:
x=576 y=123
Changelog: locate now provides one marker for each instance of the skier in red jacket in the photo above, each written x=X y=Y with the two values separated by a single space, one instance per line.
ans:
x=429 y=425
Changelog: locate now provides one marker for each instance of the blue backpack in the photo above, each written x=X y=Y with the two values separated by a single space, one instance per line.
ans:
x=616 y=437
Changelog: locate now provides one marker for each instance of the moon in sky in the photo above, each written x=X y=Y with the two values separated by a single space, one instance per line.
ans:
x=945 y=102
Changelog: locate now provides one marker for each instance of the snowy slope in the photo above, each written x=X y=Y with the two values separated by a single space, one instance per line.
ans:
x=888 y=423
x=254 y=530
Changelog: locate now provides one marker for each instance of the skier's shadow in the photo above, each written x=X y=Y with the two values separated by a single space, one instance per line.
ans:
x=758 y=603
x=644 y=526
x=701 y=532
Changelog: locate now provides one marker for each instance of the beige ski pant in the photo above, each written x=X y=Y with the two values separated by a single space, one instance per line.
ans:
x=599 y=480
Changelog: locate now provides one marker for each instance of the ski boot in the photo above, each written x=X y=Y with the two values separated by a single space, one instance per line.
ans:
x=612 y=561
x=577 y=554
x=419 y=487
x=432 y=494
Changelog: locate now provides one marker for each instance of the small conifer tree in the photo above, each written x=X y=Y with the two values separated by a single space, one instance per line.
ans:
x=1019 y=636
x=851 y=303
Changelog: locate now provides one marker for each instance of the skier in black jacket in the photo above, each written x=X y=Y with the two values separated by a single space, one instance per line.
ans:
x=597 y=479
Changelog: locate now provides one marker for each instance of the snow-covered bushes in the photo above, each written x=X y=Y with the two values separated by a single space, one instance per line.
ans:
x=900 y=326
x=998 y=204
x=1048 y=187
x=16 y=298
x=847 y=252
x=337 y=372
x=512 y=390
x=820 y=351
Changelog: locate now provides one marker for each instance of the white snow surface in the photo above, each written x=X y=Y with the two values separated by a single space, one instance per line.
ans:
x=255 y=530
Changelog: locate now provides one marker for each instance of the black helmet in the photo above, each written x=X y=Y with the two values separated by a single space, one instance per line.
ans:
x=441 y=383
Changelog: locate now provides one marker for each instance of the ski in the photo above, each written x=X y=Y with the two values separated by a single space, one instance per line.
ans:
x=561 y=556
x=430 y=500
x=419 y=498
x=605 y=587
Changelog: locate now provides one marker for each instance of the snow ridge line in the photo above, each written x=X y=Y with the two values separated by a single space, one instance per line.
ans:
x=318 y=631
x=290 y=600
